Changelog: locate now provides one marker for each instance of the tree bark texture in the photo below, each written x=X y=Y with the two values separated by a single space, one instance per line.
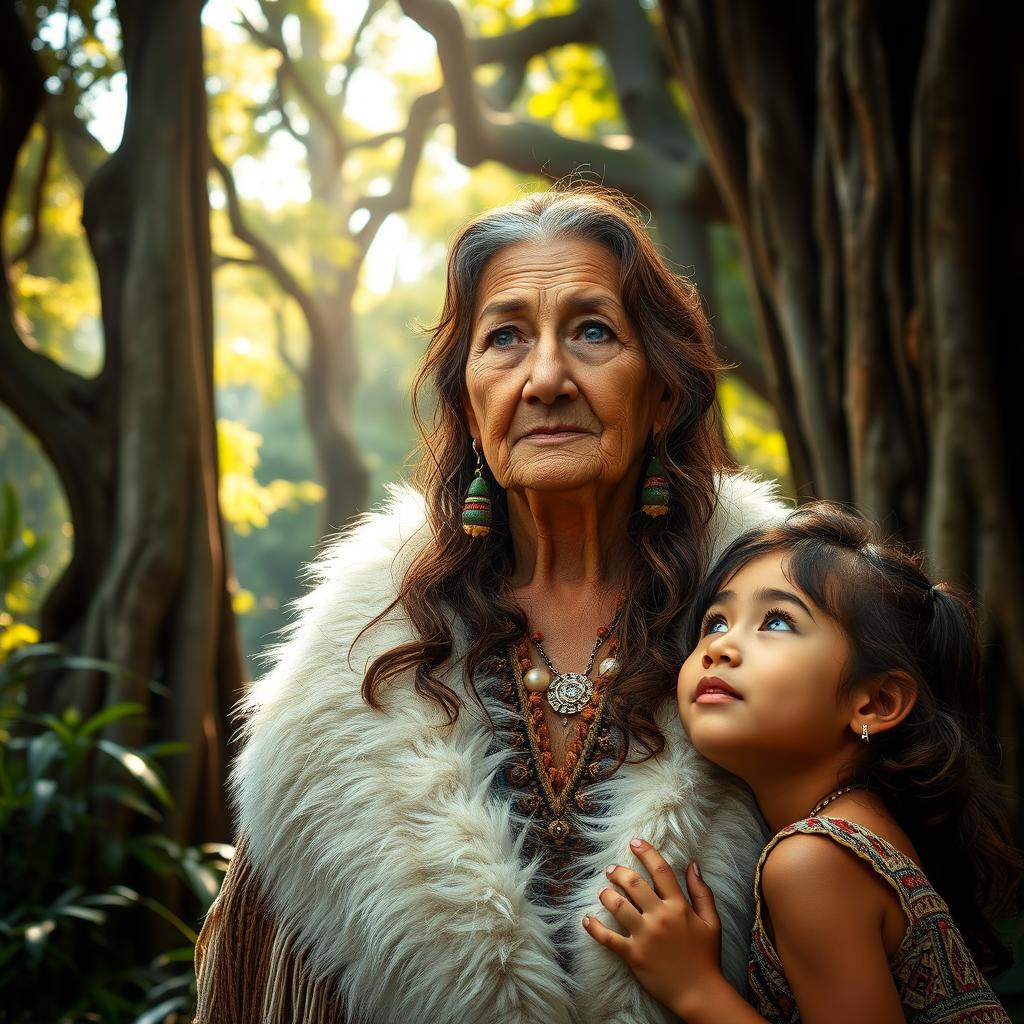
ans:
x=135 y=447
x=876 y=191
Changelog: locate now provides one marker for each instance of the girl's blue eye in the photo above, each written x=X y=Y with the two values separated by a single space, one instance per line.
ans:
x=777 y=621
x=711 y=624
x=593 y=330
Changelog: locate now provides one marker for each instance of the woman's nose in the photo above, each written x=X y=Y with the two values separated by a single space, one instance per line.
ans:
x=548 y=374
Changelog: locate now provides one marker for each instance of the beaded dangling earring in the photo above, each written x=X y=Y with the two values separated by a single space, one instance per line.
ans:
x=476 y=509
x=654 y=496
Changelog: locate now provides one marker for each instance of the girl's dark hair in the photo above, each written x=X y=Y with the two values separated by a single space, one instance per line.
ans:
x=932 y=770
x=457 y=577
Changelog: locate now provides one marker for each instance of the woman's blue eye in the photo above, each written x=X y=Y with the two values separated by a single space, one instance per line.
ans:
x=594 y=331
x=503 y=337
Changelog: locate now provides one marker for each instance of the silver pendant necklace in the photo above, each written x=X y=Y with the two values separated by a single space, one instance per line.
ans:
x=568 y=693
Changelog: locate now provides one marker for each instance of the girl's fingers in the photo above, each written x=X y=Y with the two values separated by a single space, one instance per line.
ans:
x=666 y=885
x=701 y=897
x=635 y=886
x=610 y=940
x=620 y=908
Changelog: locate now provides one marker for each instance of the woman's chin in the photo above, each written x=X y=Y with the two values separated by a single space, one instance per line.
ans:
x=558 y=471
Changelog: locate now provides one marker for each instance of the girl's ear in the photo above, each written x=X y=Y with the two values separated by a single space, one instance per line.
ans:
x=882 y=702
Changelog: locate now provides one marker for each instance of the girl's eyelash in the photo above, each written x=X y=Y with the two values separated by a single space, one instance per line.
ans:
x=771 y=613
x=709 y=617
x=778 y=613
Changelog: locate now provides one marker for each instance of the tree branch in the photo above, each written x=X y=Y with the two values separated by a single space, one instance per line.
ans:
x=541 y=35
x=421 y=118
x=482 y=134
x=264 y=253
x=281 y=339
x=21 y=97
x=287 y=68
x=36 y=208
x=352 y=60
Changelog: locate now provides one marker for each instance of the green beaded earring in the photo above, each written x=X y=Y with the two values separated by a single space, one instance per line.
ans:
x=654 y=496
x=476 y=509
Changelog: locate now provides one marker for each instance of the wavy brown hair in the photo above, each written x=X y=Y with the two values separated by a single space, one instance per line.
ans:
x=933 y=769
x=457 y=577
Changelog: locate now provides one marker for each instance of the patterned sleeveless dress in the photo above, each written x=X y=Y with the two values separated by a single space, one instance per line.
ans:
x=934 y=972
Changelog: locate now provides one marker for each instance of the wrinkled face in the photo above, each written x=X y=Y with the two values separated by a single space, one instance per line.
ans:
x=760 y=688
x=559 y=390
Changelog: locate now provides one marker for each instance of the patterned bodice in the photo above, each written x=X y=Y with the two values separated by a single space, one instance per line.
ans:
x=934 y=972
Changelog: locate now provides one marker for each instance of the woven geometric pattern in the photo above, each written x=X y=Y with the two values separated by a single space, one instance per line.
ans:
x=933 y=969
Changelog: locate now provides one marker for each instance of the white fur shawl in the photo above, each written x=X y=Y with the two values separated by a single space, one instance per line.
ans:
x=385 y=853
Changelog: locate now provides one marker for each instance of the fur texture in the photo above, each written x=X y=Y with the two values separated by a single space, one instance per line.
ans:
x=384 y=852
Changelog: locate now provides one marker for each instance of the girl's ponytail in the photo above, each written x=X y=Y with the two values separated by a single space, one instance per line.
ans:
x=934 y=773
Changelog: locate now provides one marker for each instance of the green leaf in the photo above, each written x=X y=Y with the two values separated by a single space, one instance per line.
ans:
x=168 y=748
x=203 y=881
x=42 y=750
x=126 y=709
x=159 y=1012
x=169 y=916
x=137 y=766
x=90 y=914
x=128 y=798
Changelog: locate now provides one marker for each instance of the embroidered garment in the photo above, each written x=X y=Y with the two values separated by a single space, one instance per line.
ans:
x=934 y=972
x=551 y=803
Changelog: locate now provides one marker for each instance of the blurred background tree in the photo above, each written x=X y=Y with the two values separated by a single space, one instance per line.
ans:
x=212 y=375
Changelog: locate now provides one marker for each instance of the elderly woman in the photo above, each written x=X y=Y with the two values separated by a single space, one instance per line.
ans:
x=474 y=713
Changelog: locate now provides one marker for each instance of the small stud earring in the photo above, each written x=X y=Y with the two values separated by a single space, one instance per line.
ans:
x=864 y=732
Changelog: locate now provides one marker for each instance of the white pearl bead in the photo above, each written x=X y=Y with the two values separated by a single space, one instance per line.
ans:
x=609 y=668
x=537 y=680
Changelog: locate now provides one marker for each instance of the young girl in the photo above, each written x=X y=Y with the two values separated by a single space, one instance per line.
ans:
x=833 y=677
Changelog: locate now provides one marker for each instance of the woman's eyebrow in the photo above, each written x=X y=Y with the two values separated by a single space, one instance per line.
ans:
x=578 y=304
x=503 y=306
x=592 y=304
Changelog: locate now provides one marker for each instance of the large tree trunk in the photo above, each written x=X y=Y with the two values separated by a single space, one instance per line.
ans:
x=878 y=203
x=135 y=448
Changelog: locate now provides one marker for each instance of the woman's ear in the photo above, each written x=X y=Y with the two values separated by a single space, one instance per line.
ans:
x=882 y=702
x=471 y=420
x=663 y=406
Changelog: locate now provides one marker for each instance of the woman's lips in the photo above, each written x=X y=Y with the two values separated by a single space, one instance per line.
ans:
x=712 y=690
x=556 y=436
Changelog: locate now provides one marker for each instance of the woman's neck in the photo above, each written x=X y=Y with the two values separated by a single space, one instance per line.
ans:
x=575 y=539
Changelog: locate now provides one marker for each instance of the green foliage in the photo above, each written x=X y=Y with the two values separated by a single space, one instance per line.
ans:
x=74 y=887
x=753 y=433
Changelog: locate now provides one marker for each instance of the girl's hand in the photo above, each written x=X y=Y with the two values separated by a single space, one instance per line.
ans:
x=673 y=948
